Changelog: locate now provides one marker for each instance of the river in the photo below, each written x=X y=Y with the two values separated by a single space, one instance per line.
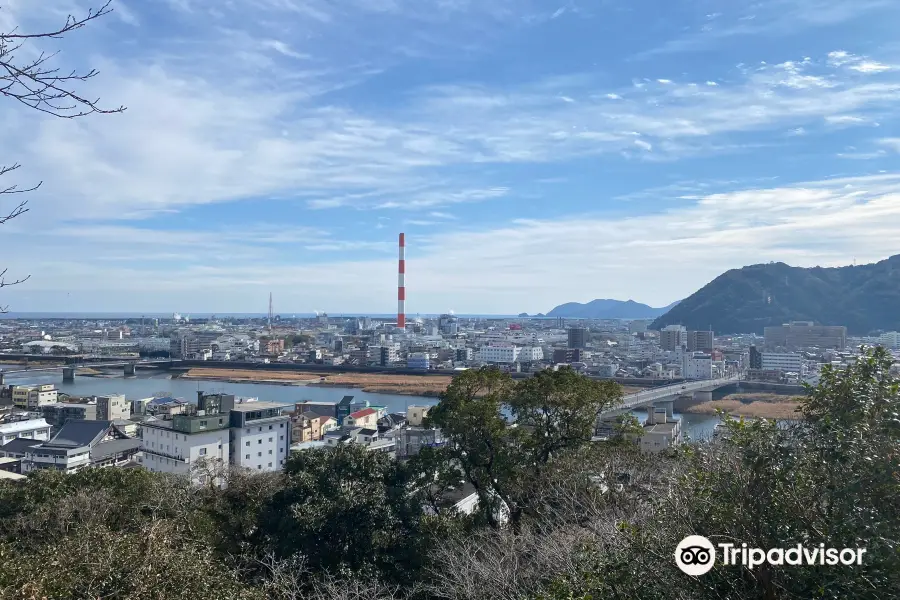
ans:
x=695 y=426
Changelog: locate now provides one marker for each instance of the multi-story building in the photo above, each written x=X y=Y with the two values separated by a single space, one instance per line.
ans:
x=367 y=418
x=383 y=355
x=700 y=341
x=567 y=355
x=307 y=426
x=806 y=334
x=755 y=358
x=697 y=365
x=528 y=354
x=418 y=360
x=112 y=408
x=416 y=414
x=890 y=339
x=498 y=354
x=409 y=440
x=260 y=436
x=81 y=444
x=176 y=444
x=59 y=412
x=33 y=397
x=577 y=337
x=448 y=324
x=782 y=361
x=32 y=429
x=672 y=337
x=464 y=354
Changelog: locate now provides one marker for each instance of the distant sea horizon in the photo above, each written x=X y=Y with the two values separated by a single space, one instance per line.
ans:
x=207 y=315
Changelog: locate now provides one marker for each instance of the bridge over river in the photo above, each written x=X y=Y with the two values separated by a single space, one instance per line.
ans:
x=666 y=395
x=68 y=370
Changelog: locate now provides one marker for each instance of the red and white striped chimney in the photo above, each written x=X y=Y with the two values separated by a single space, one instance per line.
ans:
x=401 y=285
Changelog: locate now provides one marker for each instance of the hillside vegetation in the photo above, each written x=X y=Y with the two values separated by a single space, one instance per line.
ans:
x=864 y=298
x=559 y=517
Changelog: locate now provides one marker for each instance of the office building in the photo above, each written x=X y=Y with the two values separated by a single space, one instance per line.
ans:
x=577 y=337
x=781 y=361
x=700 y=341
x=418 y=360
x=672 y=337
x=529 y=354
x=498 y=354
x=806 y=334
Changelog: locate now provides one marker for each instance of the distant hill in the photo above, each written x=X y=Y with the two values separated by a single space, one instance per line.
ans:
x=865 y=298
x=608 y=309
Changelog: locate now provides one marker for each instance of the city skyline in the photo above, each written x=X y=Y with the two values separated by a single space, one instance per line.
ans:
x=533 y=154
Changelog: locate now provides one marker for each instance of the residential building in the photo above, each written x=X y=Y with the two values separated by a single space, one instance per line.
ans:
x=528 y=354
x=32 y=397
x=418 y=360
x=409 y=440
x=16 y=448
x=567 y=355
x=59 y=412
x=176 y=444
x=577 y=337
x=383 y=355
x=307 y=426
x=111 y=408
x=700 y=341
x=697 y=365
x=806 y=334
x=367 y=417
x=31 y=429
x=81 y=444
x=260 y=436
x=416 y=414
x=785 y=362
x=672 y=337
x=755 y=358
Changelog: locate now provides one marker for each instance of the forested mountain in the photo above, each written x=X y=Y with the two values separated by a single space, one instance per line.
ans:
x=865 y=298
x=608 y=309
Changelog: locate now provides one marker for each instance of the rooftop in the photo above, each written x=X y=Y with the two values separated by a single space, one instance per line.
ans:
x=252 y=406
x=20 y=426
x=363 y=413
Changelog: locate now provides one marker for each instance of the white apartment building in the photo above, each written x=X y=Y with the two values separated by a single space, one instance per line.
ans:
x=176 y=445
x=697 y=365
x=890 y=340
x=260 y=436
x=31 y=429
x=787 y=362
x=531 y=354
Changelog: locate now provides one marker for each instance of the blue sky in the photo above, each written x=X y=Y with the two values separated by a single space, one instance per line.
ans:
x=534 y=153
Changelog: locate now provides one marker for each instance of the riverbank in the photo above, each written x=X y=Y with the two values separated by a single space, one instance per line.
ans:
x=756 y=405
x=377 y=383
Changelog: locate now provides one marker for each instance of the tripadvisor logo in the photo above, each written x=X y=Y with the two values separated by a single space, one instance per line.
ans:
x=696 y=555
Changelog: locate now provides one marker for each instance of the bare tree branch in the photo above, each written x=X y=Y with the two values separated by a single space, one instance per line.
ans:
x=36 y=84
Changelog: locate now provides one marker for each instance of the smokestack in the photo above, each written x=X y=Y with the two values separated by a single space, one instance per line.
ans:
x=401 y=285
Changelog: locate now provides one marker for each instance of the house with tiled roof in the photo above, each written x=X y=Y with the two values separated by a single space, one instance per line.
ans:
x=367 y=417
x=80 y=444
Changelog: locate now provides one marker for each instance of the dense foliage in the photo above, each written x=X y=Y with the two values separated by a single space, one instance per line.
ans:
x=560 y=517
x=864 y=298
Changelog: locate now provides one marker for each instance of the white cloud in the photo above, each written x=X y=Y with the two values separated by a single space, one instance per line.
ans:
x=643 y=145
x=891 y=143
x=664 y=81
x=844 y=119
x=614 y=96
x=711 y=83
x=806 y=224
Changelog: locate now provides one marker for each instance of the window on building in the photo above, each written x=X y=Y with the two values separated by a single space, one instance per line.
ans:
x=281 y=438
x=259 y=467
x=270 y=428
x=281 y=449
x=259 y=441
x=270 y=440
x=281 y=426
x=247 y=457
x=259 y=454
x=260 y=428
x=248 y=442
x=202 y=452
x=270 y=452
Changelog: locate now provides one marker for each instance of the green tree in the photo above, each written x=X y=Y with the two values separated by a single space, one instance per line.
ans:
x=552 y=413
